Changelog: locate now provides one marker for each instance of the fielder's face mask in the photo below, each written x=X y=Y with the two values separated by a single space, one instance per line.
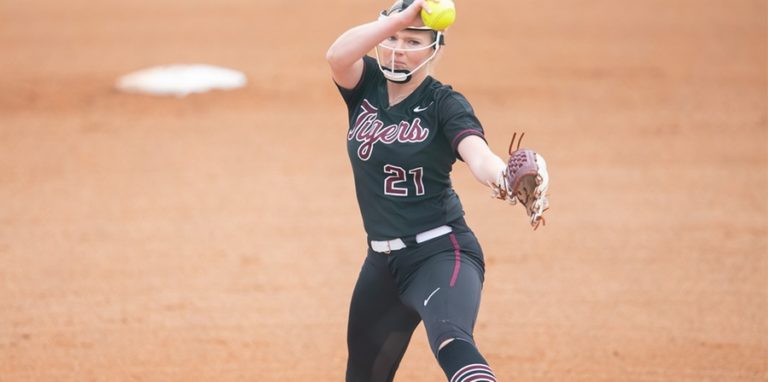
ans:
x=391 y=45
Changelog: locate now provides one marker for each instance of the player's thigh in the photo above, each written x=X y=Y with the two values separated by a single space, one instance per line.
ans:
x=380 y=325
x=446 y=292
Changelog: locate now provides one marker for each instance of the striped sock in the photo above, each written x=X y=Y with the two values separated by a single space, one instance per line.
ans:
x=461 y=362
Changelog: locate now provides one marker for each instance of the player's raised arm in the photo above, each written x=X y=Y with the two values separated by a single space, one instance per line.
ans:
x=346 y=53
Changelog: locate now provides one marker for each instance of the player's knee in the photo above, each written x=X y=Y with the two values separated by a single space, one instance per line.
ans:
x=462 y=362
x=443 y=333
x=446 y=342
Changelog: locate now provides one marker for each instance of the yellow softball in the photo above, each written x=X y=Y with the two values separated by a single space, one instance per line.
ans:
x=443 y=14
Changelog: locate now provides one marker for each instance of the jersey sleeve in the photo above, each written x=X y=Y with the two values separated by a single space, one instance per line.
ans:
x=458 y=119
x=354 y=95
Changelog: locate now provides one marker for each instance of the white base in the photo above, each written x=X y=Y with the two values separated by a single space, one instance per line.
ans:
x=180 y=80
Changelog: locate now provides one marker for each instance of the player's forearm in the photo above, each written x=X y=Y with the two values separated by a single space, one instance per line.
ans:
x=355 y=43
x=483 y=163
x=487 y=170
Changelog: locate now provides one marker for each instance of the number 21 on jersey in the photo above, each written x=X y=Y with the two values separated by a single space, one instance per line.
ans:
x=393 y=184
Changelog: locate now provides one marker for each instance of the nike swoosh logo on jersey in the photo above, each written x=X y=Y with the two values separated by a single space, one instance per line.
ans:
x=418 y=109
x=430 y=296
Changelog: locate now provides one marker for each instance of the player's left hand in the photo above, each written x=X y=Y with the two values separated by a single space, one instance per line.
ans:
x=525 y=180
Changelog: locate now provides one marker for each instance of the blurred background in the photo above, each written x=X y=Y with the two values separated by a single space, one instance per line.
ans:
x=216 y=237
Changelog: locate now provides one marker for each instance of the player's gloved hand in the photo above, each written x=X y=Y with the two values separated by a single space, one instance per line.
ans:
x=525 y=180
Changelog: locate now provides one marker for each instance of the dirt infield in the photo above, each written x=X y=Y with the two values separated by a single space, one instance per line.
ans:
x=216 y=237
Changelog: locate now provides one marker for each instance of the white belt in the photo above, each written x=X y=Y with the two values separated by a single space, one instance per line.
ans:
x=387 y=246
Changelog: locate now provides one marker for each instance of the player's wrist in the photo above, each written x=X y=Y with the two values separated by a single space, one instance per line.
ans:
x=499 y=188
x=500 y=172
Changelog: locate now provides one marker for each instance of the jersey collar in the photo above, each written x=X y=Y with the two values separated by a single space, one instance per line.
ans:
x=411 y=99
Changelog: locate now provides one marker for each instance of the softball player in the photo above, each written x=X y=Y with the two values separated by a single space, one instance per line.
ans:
x=406 y=130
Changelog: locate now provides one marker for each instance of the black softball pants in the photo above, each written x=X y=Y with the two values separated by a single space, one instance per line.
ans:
x=438 y=282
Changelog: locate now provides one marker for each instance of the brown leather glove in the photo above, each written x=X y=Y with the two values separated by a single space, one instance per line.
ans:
x=525 y=180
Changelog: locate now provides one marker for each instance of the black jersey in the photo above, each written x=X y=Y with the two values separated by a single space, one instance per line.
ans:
x=402 y=155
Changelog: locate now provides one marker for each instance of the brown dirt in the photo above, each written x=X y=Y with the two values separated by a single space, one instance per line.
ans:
x=216 y=237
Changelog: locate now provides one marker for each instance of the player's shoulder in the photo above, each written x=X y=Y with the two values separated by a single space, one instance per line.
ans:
x=369 y=61
x=371 y=69
x=447 y=96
